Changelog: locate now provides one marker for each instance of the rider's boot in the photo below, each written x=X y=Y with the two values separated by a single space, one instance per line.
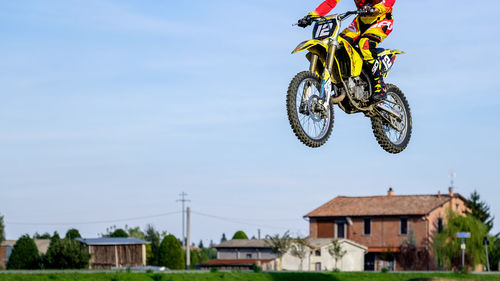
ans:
x=379 y=89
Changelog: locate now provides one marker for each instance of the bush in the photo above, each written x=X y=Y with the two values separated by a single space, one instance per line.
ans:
x=214 y=270
x=385 y=270
x=66 y=254
x=240 y=235
x=24 y=254
x=171 y=253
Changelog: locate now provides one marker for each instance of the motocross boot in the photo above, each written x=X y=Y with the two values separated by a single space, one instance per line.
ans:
x=379 y=89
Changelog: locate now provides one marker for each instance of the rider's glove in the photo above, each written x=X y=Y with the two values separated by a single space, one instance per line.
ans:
x=367 y=10
x=305 y=21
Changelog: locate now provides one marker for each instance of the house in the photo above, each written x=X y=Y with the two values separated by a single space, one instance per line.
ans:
x=107 y=253
x=318 y=258
x=7 y=246
x=383 y=223
x=242 y=254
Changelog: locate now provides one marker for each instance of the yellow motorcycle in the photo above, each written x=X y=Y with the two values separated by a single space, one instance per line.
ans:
x=336 y=76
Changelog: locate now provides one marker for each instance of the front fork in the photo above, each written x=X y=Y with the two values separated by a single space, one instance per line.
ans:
x=326 y=86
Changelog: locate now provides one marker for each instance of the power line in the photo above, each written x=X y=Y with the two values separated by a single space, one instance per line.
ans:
x=93 y=222
x=238 y=221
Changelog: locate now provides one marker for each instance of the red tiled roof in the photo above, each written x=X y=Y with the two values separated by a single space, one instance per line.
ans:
x=381 y=205
x=236 y=262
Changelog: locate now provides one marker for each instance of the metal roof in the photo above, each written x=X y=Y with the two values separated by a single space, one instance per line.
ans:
x=111 y=241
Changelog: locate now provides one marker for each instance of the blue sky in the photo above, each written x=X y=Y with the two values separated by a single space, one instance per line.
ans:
x=110 y=109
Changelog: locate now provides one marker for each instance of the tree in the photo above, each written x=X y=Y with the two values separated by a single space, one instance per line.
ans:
x=135 y=232
x=200 y=245
x=2 y=230
x=24 y=254
x=480 y=210
x=72 y=234
x=223 y=238
x=118 y=233
x=153 y=248
x=335 y=250
x=240 y=235
x=37 y=235
x=66 y=254
x=299 y=249
x=447 y=247
x=411 y=257
x=279 y=244
x=171 y=253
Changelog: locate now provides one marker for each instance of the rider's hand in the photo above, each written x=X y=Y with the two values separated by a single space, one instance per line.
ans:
x=305 y=21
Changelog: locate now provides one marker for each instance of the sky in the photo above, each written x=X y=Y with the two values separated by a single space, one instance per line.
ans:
x=110 y=109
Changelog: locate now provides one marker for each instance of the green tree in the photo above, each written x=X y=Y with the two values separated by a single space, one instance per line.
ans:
x=119 y=232
x=336 y=251
x=2 y=230
x=240 y=235
x=66 y=254
x=279 y=244
x=72 y=234
x=24 y=254
x=153 y=248
x=135 y=232
x=447 y=247
x=37 y=235
x=200 y=245
x=171 y=253
x=480 y=210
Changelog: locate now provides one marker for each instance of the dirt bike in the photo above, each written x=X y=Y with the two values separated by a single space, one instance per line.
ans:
x=336 y=76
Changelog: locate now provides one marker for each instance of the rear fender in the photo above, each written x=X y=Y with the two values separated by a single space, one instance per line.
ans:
x=386 y=58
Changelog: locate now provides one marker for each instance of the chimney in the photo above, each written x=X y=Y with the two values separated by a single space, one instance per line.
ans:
x=390 y=192
x=451 y=191
x=439 y=193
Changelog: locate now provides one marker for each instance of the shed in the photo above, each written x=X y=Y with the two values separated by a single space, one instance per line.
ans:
x=115 y=252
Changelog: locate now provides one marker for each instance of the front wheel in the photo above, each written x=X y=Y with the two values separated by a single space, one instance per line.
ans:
x=310 y=121
x=393 y=134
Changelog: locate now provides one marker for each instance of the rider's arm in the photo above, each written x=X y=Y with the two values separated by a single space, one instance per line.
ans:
x=324 y=8
x=385 y=6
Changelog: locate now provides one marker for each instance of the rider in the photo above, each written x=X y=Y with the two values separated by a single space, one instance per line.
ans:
x=367 y=30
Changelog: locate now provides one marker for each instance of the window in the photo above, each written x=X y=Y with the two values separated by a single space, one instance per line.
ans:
x=318 y=266
x=340 y=230
x=404 y=226
x=317 y=253
x=457 y=206
x=440 y=225
x=249 y=256
x=367 y=227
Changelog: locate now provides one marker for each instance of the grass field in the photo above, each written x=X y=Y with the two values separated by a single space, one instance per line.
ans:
x=240 y=276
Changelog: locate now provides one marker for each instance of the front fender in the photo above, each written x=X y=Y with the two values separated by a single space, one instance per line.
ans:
x=309 y=44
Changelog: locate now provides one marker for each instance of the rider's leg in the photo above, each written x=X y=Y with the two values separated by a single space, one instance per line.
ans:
x=352 y=33
x=368 y=44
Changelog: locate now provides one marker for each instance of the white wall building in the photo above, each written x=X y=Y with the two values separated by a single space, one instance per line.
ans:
x=318 y=258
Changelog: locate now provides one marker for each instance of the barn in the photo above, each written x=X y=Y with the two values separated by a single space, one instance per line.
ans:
x=107 y=252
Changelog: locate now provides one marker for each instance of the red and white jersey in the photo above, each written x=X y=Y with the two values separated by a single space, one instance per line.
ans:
x=384 y=6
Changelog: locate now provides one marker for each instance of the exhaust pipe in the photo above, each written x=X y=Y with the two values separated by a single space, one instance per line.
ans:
x=338 y=99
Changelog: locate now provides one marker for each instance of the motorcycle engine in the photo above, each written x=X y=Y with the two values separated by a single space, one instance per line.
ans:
x=357 y=87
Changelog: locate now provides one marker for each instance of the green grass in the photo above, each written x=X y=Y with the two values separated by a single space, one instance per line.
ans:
x=238 y=276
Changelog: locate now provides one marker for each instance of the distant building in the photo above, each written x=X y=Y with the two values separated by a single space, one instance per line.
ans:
x=242 y=254
x=383 y=223
x=318 y=258
x=115 y=252
x=7 y=246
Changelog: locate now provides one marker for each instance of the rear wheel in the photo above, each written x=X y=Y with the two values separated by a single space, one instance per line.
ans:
x=310 y=121
x=393 y=134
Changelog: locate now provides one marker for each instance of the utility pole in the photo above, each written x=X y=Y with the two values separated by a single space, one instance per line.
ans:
x=486 y=243
x=188 y=240
x=183 y=200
